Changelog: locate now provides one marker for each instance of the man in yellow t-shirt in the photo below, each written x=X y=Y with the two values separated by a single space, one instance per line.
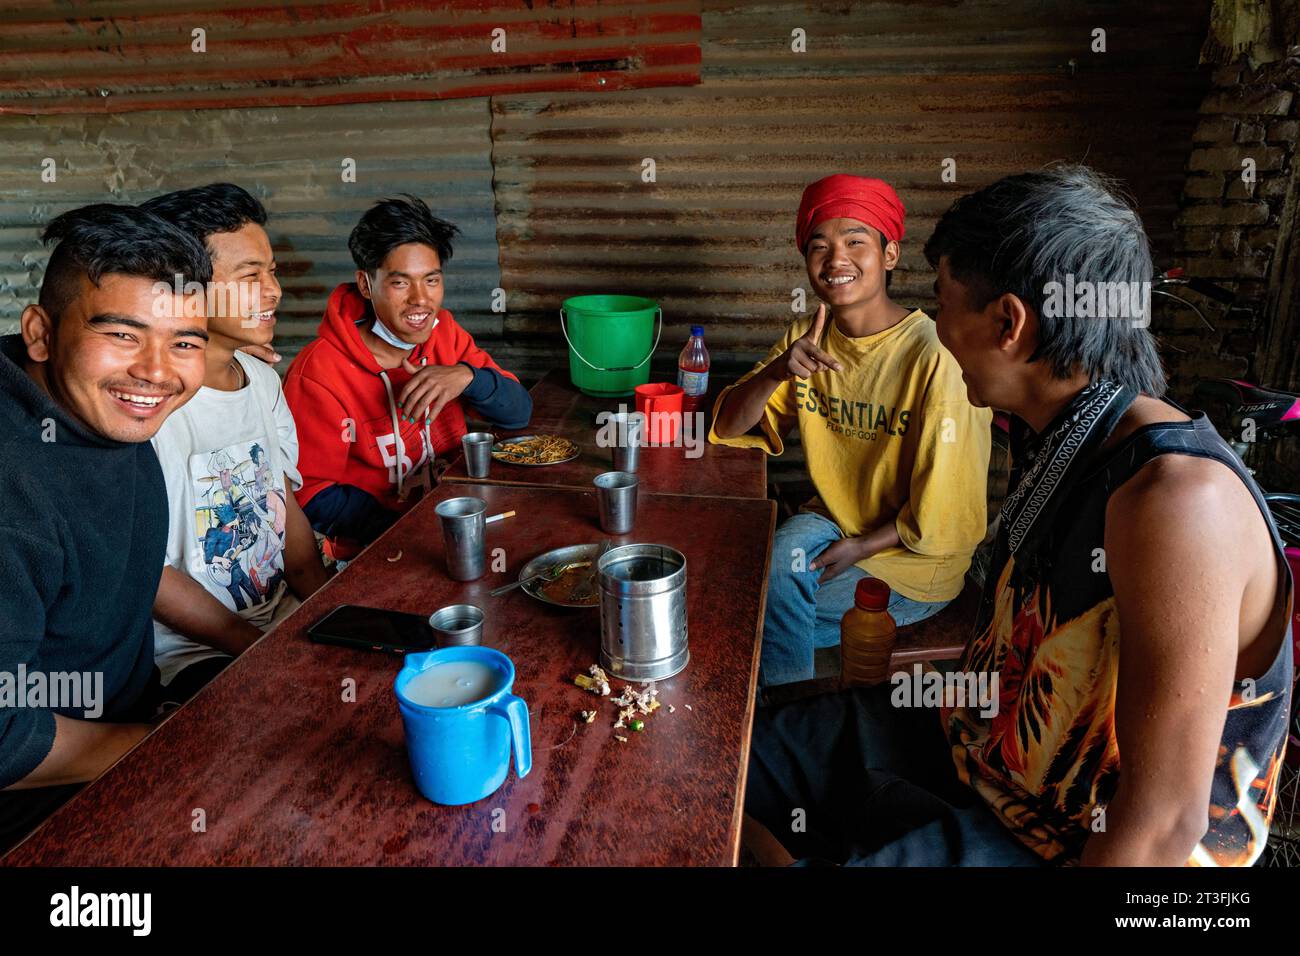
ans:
x=898 y=455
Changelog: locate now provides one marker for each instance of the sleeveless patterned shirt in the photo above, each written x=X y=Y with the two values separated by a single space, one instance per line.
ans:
x=1049 y=758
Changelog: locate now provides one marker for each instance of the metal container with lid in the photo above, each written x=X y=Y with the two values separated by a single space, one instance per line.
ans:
x=643 y=612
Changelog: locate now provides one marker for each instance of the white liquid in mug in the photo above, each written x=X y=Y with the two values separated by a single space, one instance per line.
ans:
x=452 y=684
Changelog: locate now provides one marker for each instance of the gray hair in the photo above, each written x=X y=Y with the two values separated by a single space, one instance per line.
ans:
x=1024 y=233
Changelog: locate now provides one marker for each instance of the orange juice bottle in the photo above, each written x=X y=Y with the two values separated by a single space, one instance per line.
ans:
x=866 y=635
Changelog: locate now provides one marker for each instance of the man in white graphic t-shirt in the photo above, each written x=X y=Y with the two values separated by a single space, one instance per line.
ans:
x=240 y=552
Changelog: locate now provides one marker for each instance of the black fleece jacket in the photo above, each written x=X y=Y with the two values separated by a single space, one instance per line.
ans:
x=83 y=532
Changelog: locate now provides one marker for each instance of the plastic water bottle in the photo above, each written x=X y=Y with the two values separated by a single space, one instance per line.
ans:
x=866 y=635
x=693 y=371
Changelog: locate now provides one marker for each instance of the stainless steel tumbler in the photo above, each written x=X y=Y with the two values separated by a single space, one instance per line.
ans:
x=462 y=537
x=616 y=494
x=478 y=453
x=457 y=625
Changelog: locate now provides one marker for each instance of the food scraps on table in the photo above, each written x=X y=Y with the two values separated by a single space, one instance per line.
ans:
x=633 y=704
x=597 y=682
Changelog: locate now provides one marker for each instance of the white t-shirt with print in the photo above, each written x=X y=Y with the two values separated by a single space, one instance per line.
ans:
x=224 y=456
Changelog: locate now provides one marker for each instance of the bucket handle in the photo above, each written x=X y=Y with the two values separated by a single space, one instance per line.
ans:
x=659 y=329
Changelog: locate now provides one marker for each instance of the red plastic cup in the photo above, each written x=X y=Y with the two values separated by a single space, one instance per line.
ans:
x=661 y=404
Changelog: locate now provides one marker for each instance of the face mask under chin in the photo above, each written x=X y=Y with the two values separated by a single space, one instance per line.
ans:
x=383 y=332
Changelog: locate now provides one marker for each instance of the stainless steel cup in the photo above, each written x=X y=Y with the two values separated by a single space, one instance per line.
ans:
x=457 y=625
x=616 y=494
x=628 y=429
x=478 y=453
x=463 y=525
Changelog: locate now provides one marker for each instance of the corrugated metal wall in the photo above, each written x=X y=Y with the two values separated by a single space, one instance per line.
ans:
x=291 y=159
x=889 y=89
x=885 y=89
x=76 y=56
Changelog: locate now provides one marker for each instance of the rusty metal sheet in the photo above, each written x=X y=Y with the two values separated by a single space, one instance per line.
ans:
x=885 y=89
x=291 y=159
x=889 y=90
x=143 y=54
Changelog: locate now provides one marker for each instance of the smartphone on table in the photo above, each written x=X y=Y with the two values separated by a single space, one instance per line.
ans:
x=373 y=629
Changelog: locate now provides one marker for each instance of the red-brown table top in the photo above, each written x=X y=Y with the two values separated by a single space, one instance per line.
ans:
x=287 y=772
x=560 y=409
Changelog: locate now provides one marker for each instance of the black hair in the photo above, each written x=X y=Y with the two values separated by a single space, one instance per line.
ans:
x=1025 y=234
x=205 y=210
x=111 y=239
x=390 y=223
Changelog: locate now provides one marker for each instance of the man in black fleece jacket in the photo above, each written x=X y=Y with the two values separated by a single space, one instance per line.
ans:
x=111 y=348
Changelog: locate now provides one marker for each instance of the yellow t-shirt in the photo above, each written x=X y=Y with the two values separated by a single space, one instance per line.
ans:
x=890 y=438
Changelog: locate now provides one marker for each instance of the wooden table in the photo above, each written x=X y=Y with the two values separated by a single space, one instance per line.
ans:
x=560 y=409
x=287 y=772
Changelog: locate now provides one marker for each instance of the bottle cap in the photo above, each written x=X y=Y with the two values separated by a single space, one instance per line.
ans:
x=872 y=594
x=697 y=330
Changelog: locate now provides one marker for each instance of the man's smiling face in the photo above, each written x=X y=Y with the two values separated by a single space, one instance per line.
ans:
x=406 y=291
x=121 y=357
x=846 y=263
x=243 y=268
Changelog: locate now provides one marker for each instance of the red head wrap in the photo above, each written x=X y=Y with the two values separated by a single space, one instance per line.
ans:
x=872 y=201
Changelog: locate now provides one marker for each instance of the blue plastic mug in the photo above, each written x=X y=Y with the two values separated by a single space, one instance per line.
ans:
x=462 y=754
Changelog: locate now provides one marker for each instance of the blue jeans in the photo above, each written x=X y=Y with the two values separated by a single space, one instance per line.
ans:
x=849 y=779
x=344 y=511
x=802 y=614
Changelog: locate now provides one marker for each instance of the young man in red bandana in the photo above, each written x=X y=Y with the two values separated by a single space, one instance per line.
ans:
x=898 y=455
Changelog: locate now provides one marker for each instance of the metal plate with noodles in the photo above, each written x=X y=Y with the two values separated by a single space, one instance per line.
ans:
x=568 y=588
x=535 y=450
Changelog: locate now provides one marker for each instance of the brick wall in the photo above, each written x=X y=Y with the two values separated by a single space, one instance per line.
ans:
x=1238 y=233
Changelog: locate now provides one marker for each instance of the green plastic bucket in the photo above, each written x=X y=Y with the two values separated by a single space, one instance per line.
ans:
x=611 y=339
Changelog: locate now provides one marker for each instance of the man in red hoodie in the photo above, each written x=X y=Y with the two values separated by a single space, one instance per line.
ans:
x=380 y=394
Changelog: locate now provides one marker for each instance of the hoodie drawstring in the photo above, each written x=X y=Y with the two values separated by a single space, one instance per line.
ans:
x=400 y=449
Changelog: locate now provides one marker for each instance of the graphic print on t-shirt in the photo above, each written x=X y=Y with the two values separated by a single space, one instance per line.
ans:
x=850 y=417
x=239 y=523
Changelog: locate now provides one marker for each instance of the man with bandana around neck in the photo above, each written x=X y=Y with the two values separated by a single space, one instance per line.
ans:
x=380 y=395
x=1136 y=617
x=898 y=456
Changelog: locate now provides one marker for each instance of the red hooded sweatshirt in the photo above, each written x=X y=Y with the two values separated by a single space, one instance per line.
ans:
x=345 y=407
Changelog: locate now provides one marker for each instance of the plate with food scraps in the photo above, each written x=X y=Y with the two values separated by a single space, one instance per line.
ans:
x=535 y=450
x=567 y=572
